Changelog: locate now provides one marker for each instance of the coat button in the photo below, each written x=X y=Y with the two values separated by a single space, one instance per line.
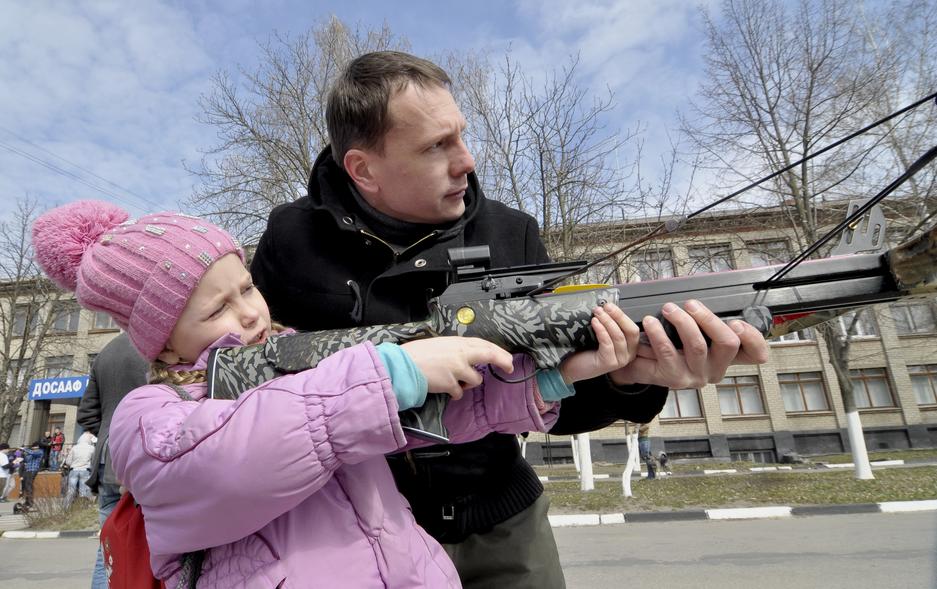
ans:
x=419 y=263
x=348 y=220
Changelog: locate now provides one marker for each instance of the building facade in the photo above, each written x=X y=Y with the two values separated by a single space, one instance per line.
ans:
x=72 y=338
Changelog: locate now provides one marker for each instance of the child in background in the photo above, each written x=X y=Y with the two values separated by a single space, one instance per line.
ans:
x=664 y=461
x=286 y=486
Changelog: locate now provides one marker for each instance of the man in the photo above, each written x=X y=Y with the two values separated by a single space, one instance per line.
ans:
x=58 y=442
x=33 y=457
x=644 y=449
x=368 y=244
x=79 y=460
x=117 y=370
x=45 y=444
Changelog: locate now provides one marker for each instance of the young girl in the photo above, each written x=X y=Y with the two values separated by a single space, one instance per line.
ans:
x=286 y=486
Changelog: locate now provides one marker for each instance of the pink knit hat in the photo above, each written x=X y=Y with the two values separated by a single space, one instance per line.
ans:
x=140 y=272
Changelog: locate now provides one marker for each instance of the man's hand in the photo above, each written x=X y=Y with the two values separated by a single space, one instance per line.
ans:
x=661 y=363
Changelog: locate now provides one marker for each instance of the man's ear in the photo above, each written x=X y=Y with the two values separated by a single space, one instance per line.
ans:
x=169 y=357
x=357 y=164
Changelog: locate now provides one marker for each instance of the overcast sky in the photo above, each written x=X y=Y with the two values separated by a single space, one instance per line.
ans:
x=100 y=99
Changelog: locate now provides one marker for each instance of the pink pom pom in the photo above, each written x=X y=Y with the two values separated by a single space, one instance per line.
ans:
x=63 y=235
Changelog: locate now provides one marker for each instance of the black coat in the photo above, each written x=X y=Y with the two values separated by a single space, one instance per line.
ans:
x=320 y=266
x=117 y=370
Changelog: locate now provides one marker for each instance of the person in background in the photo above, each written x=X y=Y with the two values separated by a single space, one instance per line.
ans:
x=664 y=461
x=78 y=461
x=644 y=447
x=6 y=472
x=117 y=370
x=45 y=444
x=55 y=449
x=32 y=457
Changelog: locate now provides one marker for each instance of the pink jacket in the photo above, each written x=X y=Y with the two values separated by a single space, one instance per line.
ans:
x=288 y=484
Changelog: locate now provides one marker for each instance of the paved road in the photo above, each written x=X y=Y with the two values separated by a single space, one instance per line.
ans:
x=45 y=564
x=880 y=551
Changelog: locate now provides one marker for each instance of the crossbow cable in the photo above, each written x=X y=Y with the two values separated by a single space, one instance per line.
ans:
x=672 y=225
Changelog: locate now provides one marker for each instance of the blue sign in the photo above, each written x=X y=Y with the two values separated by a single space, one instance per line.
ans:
x=63 y=387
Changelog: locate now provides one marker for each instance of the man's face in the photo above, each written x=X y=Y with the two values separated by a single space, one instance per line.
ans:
x=421 y=176
x=47 y=434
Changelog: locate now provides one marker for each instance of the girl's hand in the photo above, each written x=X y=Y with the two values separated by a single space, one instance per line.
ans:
x=448 y=363
x=617 y=335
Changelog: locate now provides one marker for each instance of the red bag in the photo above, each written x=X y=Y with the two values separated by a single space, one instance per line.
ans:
x=124 y=548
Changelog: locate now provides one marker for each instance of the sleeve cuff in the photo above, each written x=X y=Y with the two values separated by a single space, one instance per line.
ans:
x=552 y=387
x=408 y=382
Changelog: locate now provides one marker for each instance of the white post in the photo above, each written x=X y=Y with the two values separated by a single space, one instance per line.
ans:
x=575 y=446
x=857 y=444
x=632 y=440
x=586 y=480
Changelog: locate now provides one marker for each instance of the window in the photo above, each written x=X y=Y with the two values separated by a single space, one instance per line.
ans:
x=870 y=388
x=710 y=258
x=23 y=320
x=769 y=253
x=91 y=358
x=803 y=391
x=58 y=366
x=103 y=321
x=682 y=404
x=65 y=317
x=740 y=395
x=914 y=317
x=804 y=335
x=864 y=326
x=16 y=373
x=759 y=456
x=924 y=383
x=653 y=265
x=604 y=273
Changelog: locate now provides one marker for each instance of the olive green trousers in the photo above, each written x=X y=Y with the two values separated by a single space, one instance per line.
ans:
x=518 y=553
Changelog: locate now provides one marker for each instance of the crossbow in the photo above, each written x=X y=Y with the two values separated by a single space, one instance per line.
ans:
x=518 y=308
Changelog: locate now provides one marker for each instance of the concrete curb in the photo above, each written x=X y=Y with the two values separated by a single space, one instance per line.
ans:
x=770 y=512
x=45 y=535
x=596 y=519
x=636 y=475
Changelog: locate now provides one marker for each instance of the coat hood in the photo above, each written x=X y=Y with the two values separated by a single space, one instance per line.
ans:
x=329 y=191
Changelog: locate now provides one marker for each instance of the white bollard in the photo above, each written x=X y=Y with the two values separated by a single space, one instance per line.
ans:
x=586 y=481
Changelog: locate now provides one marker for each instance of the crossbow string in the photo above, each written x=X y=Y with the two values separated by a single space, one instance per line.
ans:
x=672 y=225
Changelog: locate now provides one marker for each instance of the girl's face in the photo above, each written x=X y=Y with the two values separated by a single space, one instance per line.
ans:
x=225 y=301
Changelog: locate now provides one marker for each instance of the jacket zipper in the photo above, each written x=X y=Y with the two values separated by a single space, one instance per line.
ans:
x=433 y=233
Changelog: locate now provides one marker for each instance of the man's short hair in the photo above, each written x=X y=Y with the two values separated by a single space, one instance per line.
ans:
x=356 y=111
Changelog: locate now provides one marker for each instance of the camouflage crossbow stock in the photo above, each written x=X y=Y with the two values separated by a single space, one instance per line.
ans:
x=504 y=306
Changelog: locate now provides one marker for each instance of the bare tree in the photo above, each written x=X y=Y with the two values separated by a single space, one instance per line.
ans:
x=783 y=81
x=26 y=303
x=905 y=34
x=271 y=123
x=543 y=147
